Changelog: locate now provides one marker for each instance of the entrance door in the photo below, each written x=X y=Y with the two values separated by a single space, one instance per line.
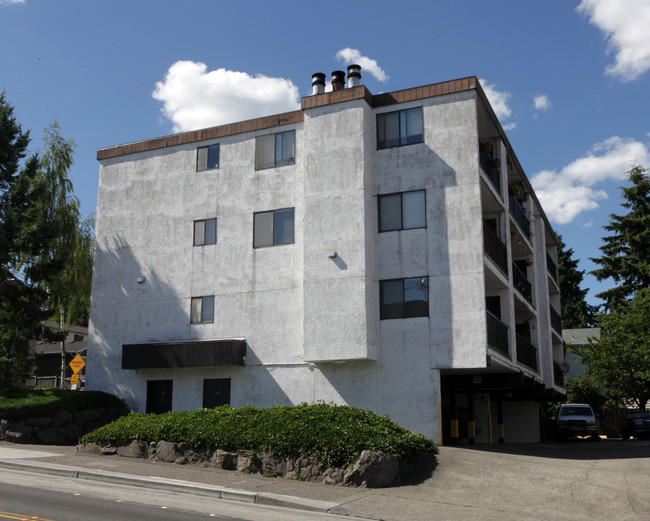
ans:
x=159 y=396
x=216 y=392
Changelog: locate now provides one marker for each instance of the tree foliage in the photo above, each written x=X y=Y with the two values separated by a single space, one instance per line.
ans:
x=43 y=246
x=619 y=363
x=626 y=251
x=576 y=312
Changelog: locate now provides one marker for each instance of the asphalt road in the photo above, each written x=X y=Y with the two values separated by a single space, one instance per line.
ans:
x=54 y=498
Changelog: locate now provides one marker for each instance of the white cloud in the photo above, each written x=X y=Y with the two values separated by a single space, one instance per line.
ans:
x=194 y=97
x=367 y=64
x=11 y=2
x=542 y=102
x=499 y=102
x=625 y=24
x=571 y=191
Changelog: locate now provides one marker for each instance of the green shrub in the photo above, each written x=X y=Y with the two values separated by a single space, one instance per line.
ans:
x=334 y=434
x=23 y=403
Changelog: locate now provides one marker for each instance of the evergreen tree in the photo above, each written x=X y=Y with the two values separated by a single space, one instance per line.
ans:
x=576 y=312
x=626 y=252
x=23 y=304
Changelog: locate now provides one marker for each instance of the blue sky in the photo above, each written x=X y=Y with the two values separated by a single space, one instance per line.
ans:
x=568 y=79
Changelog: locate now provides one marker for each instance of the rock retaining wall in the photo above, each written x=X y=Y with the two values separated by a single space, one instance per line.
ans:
x=372 y=469
x=61 y=428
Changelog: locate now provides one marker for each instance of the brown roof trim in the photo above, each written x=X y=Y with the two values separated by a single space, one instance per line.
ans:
x=194 y=136
x=287 y=118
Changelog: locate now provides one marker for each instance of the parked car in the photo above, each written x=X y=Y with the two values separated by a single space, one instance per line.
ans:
x=576 y=419
x=636 y=424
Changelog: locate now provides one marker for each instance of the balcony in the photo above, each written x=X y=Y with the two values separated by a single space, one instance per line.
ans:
x=521 y=283
x=520 y=217
x=556 y=321
x=551 y=267
x=495 y=249
x=526 y=353
x=497 y=335
x=493 y=175
x=558 y=374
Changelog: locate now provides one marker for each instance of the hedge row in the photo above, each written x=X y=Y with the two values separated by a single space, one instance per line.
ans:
x=16 y=404
x=334 y=434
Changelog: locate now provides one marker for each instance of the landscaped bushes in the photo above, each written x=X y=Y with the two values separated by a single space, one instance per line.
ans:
x=17 y=404
x=333 y=434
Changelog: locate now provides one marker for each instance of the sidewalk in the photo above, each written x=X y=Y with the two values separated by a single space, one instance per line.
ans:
x=555 y=482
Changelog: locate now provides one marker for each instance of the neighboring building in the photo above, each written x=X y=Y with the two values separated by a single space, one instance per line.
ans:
x=360 y=250
x=577 y=337
x=48 y=357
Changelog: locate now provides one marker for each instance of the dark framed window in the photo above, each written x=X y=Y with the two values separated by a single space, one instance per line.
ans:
x=205 y=232
x=202 y=309
x=275 y=150
x=273 y=228
x=207 y=158
x=404 y=298
x=159 y=396
x=216 y=392
x=402 y=211
x=402 y=127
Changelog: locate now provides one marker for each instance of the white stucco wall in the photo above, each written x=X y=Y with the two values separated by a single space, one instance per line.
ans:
x=311 y=322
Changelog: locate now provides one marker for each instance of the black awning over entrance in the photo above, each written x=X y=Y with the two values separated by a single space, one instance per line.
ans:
x=201 y=353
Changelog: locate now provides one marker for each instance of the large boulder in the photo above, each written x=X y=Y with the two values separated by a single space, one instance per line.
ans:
x=373 y=470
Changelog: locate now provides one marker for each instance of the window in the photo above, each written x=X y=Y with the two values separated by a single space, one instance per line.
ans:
x=403 y=127
x=273 y=228
x=207 y=158
x=404 y=298
x=205 y=232
x=202 y=309
x=275 y=150
x=77 y=338
x=402 y=211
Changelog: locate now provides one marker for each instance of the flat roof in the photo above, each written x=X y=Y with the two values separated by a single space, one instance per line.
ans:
x=288 y=118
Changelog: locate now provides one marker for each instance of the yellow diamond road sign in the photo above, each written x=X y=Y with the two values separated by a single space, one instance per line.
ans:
x=77 y=364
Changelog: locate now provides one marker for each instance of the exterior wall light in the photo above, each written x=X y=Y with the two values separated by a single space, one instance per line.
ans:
x=331 y=254
x=140 y=280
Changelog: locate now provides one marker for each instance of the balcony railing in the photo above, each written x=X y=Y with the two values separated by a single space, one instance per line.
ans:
x=493 y=175
x=551 y=267
x=526 y=353
x=520 y=217
x=556 y=320
x=497 y=335
x=495 y=249
x=558 y=375
x=521 y=283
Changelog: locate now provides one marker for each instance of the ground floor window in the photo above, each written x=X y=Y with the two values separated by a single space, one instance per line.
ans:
x=159 y=396
x=216 y=392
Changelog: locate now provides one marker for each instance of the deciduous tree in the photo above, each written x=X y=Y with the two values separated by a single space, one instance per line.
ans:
x=619 y=363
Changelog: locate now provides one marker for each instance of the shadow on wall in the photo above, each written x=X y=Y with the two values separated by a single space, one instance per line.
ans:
x=130 y=303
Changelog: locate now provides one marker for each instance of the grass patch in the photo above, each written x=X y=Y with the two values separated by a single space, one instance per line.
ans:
x=16 y=404
x=334 y=434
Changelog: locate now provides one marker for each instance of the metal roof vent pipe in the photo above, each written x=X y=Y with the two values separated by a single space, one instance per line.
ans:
x=354 y=75
x=338 y=80
x=317 y=83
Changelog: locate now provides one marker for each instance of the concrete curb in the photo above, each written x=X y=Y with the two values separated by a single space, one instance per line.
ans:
x=172 y=485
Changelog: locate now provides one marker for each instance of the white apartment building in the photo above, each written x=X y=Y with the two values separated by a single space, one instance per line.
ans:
x=369 y=250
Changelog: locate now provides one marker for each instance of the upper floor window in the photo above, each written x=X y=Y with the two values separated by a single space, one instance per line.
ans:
x=205 y=232
x=207 y=157
x=202 y=309
x=273 y=228
x=402 y=211
x=402 y=127
x=275 y=150
x=404 y=298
